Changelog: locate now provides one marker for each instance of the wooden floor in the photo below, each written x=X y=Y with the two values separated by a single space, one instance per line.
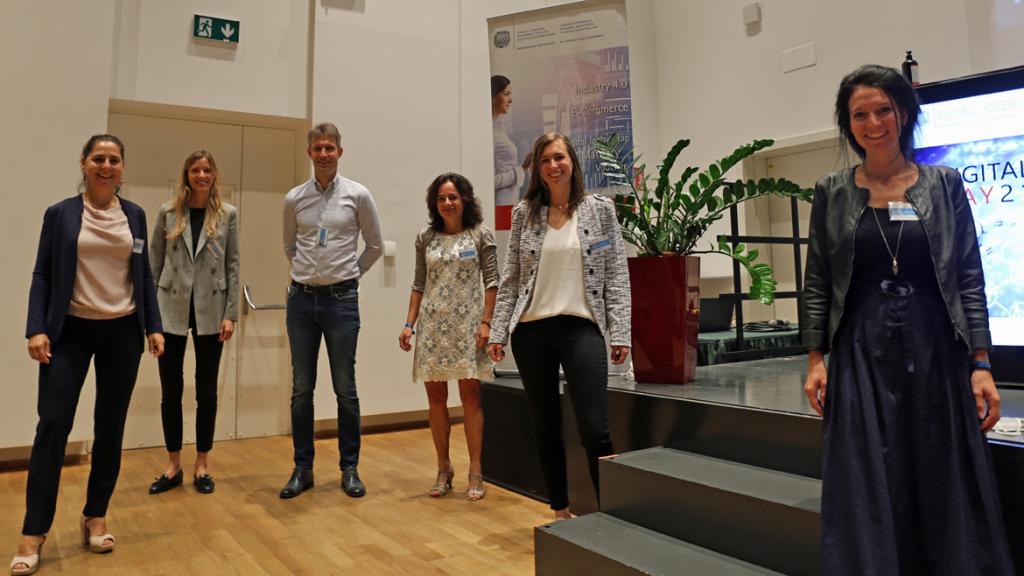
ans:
x=244 y=528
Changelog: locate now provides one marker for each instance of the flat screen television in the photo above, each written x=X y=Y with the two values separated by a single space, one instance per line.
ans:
x=976 y=125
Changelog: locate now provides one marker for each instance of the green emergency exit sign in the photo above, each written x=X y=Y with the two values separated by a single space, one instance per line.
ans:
x=216 y=29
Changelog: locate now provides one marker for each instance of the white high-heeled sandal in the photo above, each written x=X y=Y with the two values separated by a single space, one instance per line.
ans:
x=443 y=485
x=97 y=544
x=476 y=490
x=31 y=562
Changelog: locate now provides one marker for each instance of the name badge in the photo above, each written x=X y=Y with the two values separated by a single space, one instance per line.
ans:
x=600 y=245
x=215 y=249
x=467 y=254
x=137 y=245
x=902 y=212
x=321 y=237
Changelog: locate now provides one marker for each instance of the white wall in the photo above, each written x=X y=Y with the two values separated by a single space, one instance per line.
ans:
x=387 y=74
x=994 y=32
x=54 y=97
x=406 y=82
x=156 y=59
x=721 y=88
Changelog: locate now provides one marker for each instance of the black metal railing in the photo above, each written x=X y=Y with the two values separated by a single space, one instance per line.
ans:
x=738 y=296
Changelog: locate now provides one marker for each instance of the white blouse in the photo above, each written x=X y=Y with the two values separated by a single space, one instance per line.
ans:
x=559 y=287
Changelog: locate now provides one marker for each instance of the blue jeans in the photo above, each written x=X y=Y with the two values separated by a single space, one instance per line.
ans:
x=333 y=314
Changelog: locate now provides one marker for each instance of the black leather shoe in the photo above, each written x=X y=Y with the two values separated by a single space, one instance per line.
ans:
x=204 y=483
x=163 y=483
x=351 y=483
x=301 y=480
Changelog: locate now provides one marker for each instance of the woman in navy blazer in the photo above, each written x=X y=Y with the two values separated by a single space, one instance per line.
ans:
x=92 y=296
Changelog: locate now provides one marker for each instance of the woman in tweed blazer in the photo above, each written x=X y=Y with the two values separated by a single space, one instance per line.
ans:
x=563 y=295
x=195 y=263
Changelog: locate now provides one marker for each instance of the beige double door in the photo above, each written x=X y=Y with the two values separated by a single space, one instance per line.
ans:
x=257 y=165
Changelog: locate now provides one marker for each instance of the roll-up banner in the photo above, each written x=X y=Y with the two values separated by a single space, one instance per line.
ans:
x=565 y=69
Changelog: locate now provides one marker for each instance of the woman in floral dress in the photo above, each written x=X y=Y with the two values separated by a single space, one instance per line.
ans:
x=453 y=309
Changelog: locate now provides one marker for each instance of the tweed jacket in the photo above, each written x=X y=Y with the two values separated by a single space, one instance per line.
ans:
x=210 y=276
x=53 y=279
x=605 y=275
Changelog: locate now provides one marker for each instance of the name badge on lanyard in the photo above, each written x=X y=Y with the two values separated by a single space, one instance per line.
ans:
x=321 y=237
x=902 y=212
x=137 y=244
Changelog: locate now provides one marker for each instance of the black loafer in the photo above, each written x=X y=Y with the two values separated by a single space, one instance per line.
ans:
x=163 y=483
x=351 y=483
x=204 y=483
x=301 y=480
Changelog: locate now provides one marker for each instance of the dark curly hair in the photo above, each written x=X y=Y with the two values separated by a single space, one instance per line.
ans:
x=896 y=87
x=471 y=213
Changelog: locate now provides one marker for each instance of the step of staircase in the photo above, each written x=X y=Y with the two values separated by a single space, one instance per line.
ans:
x=764 y=517
x=601 y=545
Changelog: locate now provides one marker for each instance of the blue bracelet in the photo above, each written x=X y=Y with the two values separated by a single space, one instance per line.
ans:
x=982 y=365
x=410 y=327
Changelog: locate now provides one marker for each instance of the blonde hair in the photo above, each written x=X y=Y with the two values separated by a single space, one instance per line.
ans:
x=215 y=206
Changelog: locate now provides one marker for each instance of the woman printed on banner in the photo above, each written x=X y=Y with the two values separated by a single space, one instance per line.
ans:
x=509 y=173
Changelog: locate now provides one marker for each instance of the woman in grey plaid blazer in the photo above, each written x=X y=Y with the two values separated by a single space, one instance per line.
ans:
x=563 y=295
x=194 y=257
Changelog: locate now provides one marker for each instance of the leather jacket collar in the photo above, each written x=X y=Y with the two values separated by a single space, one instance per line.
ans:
x=939 y=199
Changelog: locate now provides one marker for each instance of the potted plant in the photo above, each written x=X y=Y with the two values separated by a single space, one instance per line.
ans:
x=665 y=224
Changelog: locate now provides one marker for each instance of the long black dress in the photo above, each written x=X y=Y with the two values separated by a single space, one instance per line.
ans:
x=908 y=486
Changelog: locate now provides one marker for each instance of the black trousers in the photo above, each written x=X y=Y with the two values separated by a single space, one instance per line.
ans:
x=116 y=345
x=577 y=345
x=208 y=349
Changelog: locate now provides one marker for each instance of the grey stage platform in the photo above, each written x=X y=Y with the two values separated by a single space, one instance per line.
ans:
x=687 y=496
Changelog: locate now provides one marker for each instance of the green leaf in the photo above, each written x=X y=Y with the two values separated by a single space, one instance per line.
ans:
x=685 y=177
x=737 y=190
x=704 y=180
x=656 y=213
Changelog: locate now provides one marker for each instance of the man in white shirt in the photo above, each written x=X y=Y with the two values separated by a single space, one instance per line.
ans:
x=323 y=219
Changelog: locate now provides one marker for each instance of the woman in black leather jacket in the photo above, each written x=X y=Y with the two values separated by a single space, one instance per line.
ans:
x=895 y=292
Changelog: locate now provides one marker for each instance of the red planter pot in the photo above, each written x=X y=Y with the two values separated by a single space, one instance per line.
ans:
x=666 y=300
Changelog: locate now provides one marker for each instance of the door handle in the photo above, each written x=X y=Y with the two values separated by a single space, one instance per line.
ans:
x=251 y=304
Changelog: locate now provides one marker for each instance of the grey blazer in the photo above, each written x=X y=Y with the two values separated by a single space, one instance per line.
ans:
x=211 y=276
x=605 y=274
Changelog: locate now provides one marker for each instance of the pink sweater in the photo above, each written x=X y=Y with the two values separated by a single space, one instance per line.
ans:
x=103 y=280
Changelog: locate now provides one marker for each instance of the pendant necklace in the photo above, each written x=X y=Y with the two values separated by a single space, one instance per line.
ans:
x=899 y=238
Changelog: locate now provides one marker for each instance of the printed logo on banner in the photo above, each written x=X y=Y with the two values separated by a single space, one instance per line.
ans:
x=502 y=38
